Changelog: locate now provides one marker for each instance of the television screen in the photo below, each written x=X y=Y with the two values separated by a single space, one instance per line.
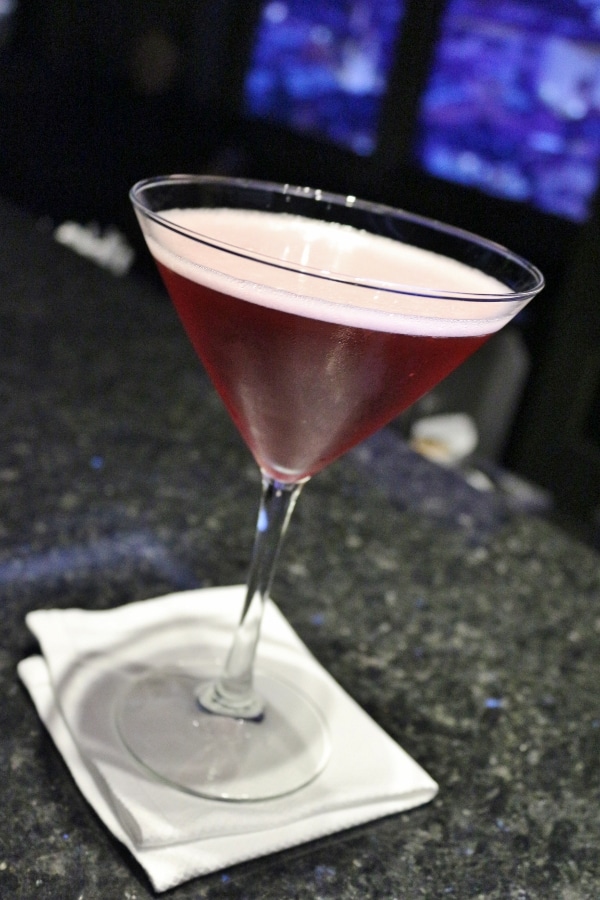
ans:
x=321 y=67
x=512 y=103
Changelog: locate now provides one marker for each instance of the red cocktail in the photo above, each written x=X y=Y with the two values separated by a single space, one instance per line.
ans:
x=303 y=389
x=319 y=319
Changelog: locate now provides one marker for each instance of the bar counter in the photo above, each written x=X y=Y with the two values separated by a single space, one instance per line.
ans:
x=468 y=630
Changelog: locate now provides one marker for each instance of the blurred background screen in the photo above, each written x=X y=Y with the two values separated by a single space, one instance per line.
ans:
x=512 y=102
x=323 y=67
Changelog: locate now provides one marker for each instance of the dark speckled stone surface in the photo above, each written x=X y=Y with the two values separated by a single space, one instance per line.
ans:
x=469 y=632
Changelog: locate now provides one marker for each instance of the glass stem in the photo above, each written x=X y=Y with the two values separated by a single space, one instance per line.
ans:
x=233 y=694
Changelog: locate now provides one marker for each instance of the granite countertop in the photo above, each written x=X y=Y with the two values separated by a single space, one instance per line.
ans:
x=470 y=632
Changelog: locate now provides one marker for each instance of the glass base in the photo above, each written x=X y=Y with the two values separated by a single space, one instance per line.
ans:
x=163 y=726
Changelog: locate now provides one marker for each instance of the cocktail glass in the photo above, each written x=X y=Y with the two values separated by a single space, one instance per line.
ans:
x=319 y=318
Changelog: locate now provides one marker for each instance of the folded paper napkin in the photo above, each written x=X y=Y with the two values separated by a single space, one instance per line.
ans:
x=87 y=659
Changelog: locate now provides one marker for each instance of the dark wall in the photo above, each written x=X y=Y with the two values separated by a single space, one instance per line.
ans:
x=94 y=96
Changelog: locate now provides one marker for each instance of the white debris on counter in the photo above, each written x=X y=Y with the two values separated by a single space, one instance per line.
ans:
x=108 y=248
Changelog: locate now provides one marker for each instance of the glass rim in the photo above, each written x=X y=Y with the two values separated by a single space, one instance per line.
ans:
x=349 y=202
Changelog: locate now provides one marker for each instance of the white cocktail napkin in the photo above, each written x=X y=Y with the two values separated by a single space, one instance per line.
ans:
x=88 y=659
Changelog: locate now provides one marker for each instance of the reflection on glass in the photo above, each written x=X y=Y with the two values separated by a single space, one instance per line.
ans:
x=322 y=67
x=513 y=102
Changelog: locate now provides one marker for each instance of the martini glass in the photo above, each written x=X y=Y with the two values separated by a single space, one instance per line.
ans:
x=319 y=318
